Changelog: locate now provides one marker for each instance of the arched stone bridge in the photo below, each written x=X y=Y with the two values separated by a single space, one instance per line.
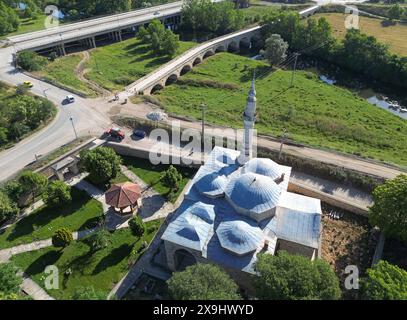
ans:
x=170 y=72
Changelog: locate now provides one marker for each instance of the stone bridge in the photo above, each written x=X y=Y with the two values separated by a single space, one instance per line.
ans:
x=171 y=71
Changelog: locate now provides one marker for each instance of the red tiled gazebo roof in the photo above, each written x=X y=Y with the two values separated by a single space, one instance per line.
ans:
x=122 y=195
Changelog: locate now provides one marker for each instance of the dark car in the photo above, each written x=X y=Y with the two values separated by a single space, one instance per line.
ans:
x=116 y=133
x=139 y=133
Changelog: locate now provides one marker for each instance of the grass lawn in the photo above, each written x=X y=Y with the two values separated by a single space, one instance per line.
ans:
x=101 y=269
x=28 y=25
x=393 y=35
x=83 y=212
x=312 y=111
x=257 y=10
x=117 y=65
x=62 y=71
x=151 y=174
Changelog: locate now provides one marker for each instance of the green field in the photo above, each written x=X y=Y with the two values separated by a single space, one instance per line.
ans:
x=82 y=213
x=101 y=269
x=62 y=71
x=151 y=174
x=117 y=65
x=28 y=25
x=313 y=112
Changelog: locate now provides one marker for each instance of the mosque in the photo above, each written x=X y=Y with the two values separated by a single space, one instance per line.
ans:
x=238 y=206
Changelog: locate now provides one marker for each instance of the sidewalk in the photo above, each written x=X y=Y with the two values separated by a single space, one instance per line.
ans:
x=34 y=290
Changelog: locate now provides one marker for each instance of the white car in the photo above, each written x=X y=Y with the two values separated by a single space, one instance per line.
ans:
x=69 y=99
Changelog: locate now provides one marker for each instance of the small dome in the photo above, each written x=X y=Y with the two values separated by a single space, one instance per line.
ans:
x=189 y=233
x=239 y=237
x=225 y=159
x=263 y=166
x=212 y=184
x=253 y=192
x=202 y=211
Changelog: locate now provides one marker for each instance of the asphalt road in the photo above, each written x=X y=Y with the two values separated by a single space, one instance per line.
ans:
x=86 y=119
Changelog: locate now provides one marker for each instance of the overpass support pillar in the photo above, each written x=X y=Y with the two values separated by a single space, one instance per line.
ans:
x=61 y=49
x=119 y=35
x=93 y=41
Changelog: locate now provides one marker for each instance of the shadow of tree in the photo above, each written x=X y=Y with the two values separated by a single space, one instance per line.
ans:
x=38 y=265
x=115 y=256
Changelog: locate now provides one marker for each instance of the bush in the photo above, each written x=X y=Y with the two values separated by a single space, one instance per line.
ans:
x=62 y=238
x=202 y=282
x=99 y=240
x=295 y=277
x=384 y=282
x=57 y=194
x=33 y=183
x=137 y=226
x=171 y=178
x=8 y=209
x=389 y=210
x=9 y=280
x=31 y=61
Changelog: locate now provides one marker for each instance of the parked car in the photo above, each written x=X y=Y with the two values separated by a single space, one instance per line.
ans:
x=28 y=84
x=156 y=13
x=116 y=133
x=139 y=133
x=69 y=99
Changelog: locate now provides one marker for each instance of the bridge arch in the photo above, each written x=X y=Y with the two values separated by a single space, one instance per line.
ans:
x=208 y=54
x=197 y=60
x=233 y=46
x=185 y=69
x=156 y=88
x=245 y=43
x=220 y=48
x=171 y=79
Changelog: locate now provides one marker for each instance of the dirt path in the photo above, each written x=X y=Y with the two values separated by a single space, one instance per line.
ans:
x=80 y=72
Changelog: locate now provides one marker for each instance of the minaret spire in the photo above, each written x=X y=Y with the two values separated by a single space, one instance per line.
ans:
x=249 y=118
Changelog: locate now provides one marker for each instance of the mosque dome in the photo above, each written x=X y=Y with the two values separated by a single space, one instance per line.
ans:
x=212 y=185
x=202 y=211
x=239 y=237
x=252 y=193
x=263 y=166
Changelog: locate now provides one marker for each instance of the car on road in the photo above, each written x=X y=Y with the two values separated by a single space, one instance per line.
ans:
x=156 y=13
x=116 y=133
x=28 y=84
x=69 y=99
x=139 y=133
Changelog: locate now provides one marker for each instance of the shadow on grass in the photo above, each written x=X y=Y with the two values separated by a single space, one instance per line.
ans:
x=46 y=215
x=261 y=73
x=113 y=258
x=39 y=265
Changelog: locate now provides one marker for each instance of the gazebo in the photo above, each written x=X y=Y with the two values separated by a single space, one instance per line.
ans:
x=124 y=197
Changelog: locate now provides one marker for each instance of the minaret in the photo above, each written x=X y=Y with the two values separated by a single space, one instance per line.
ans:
x=249 y=118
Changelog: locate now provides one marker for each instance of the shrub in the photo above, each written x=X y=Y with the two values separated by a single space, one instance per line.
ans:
x=202 y=282
x=8 y=209
x=384 y=282
x=137 y=226
x=9 y=280
x=62 y=238
x=57 y=193
x=31 y=61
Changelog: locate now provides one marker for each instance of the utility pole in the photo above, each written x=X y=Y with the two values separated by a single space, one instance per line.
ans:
x=294 y=69
x=73 y=126
x=282 y=142
x=203 y=107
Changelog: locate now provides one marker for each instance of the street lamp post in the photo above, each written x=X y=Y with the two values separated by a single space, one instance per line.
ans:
x=283 y=137
x=73 y=126
x=203 y=107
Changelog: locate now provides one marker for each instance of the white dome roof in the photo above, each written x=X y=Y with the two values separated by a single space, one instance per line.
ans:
x=263 y=166
x=253 y=192
x=202 y=211
x=239 y=237
x=212 y=184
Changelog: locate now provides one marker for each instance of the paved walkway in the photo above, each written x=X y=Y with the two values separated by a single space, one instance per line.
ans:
x=33 y=289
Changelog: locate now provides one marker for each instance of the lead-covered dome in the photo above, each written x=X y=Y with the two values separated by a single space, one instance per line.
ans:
x=263 y=166
x=212 y=185
x=253 y=195
x=203 y=211
x=239 y=237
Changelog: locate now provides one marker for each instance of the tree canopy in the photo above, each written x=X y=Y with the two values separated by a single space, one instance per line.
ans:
x=389 y=210
x=137 y=226
x=171 y=178
x=62 y=238
x=275 y=49
x=8 y=209
x=202 y=282
x=384 y=282
x=33 y=182
x=102 y=163
x=9 y=280
x=294 y=277
x=57 y=194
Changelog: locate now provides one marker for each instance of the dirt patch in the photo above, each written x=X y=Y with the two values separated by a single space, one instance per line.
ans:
x=347 y=241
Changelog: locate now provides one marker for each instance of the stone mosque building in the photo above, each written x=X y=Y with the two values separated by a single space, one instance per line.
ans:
x=238 y=206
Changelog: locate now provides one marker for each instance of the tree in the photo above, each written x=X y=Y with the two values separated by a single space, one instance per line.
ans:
x=202 y=282
x=143 y=35
x=10 y=281
x=295 y=277
x=395 y=12
x=31 y=61
x=57 y=193
x=102 y=163
x=137 y=226
x=171 y=178
x=100 y=240
x=384 y=282
x=62 y=238
x=8 y=209
x=32 y=183
x=8 y=19
x=88 y=293
x=275 y=49
x=170 y=43
x=389 y=210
